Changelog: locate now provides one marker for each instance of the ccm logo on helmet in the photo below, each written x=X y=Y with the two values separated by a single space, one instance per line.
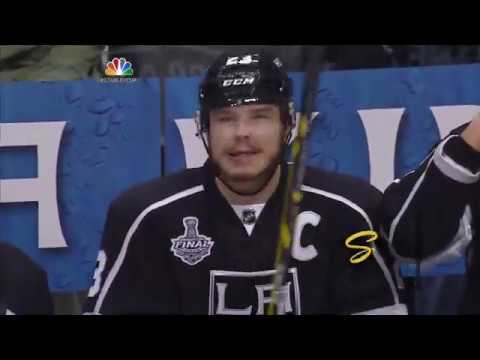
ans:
x=241 y=81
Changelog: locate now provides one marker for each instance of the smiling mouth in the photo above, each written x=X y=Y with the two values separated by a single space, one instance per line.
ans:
x=242 y=154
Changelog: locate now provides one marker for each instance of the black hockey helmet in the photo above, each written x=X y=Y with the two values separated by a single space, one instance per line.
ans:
x=253 y=78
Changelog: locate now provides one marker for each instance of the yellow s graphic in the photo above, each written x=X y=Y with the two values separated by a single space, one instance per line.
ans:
x=365 y=251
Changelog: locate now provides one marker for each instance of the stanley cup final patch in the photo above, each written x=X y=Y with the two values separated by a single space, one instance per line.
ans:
x=191 y=247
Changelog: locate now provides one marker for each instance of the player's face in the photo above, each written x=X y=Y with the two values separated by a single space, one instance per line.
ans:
x=246 y=142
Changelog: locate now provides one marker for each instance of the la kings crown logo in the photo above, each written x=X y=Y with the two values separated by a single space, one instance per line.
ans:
x=191 y=247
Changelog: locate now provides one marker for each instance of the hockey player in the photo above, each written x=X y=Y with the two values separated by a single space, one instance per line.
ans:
x=203 y=241
x=23 y=284
x=432 y=214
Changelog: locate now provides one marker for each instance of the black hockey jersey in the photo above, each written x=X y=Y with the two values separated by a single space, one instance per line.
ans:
x=23 y=284
x=432 y=214
x=175 y=246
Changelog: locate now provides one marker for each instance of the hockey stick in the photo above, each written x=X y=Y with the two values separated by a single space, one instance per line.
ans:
x=292 y=192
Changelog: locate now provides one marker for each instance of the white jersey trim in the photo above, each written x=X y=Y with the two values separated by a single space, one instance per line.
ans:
x=126 y=242
x=447 y=167
x=406 y=204
x=397 y=309
x=451 y=168
x=376 y=253
x=458 y=246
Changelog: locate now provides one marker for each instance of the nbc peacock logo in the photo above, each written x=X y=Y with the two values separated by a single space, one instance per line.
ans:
x=119 y=69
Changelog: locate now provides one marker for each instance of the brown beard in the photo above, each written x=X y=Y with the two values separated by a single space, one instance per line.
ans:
x=266 y=175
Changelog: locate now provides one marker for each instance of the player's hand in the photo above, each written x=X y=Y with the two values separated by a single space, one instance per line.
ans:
x=471 y=134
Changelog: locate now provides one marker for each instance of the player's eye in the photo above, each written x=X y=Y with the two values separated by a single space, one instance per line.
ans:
x=224 y=119
x=261 y=116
